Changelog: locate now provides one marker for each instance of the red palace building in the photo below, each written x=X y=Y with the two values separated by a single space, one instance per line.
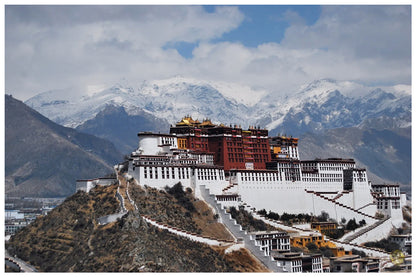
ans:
x=233 y=147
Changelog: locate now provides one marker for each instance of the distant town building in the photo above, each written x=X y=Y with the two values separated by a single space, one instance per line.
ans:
x=404 y=241
x=294 y=262
x=354 y=263
x=324 y=226
x=88 y=184
x=271 y=241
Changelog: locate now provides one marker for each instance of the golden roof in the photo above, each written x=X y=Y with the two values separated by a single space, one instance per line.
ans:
x=187 y=120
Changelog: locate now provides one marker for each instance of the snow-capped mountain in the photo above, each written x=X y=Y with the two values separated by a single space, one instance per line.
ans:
x=321 y=105
x=327 y=104
x=329 y=116
x=168 y=99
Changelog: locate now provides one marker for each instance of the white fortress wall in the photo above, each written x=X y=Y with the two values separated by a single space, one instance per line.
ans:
x=397 y=217
x=380 y=232
x=279 y=197
x=161 y=176
x=334 y=187
x=149 y=145
x=106 y=181
x=86 y=185
x=403 y=199
x=335 y=211
x=227 y=201
x=362 y=194
x=346 y=199
x=211 y=178
x=370 y=209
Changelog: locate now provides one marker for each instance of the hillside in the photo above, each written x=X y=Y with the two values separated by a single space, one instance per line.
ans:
x=44 y=159
x=69 y=239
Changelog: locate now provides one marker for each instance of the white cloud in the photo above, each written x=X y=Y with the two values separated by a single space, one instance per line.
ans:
x=51 y=46
x=48 y=48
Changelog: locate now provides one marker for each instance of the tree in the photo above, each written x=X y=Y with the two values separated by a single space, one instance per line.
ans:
x=359 y=252
x=312 y=246
x=262 y=212
x=324 y=216
x=351 y=225
x=273 y=215
x=177 y=192
x=326 y=251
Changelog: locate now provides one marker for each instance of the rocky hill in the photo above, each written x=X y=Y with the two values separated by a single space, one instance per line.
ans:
x=69 y=238
x=44 y=159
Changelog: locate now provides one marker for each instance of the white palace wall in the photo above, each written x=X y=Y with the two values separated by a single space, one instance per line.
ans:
x=280 y=197
x=361 y=195
x=161 y=176
x=336 y=211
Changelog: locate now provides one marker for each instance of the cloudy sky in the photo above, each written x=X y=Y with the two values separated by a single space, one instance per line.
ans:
x=277 y=48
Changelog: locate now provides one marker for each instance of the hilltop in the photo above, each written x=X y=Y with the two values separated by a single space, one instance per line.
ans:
x=69 y=238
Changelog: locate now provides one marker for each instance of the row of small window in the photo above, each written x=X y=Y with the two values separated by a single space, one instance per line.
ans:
x=277 y=247
x=277 y=241
x=261 y=177
x=323 y=180
x=166 y=172
x=388 y=191
x=199 y=139
x=315 y=180
x=227 y=198
x=234 y=143
x=335 y=168
x=203 y=146
x=325 y=175
x=209 y=174
x=317 y=267
x=168 y=141
x=384 y=204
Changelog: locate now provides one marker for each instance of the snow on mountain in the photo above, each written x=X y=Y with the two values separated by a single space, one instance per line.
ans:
x=326 y=104
x=168 y=99
x=322 y=104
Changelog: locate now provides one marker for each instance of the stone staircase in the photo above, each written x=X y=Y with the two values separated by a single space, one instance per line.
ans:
x=365 y=230
x=238 y=231
x=224 y=190
x=186 y=234
x=341 y=194
x=339 y=204
x=279 y=224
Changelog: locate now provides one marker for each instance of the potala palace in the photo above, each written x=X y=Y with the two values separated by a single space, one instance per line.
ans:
x=227 y=166
x=247 y=166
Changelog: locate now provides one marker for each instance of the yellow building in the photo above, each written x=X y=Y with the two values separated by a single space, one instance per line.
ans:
x=317 y=239
x=324 y=226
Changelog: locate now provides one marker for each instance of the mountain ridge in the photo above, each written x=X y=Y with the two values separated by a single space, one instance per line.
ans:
x=170 y=99
x=316 y=109
x=45 y=159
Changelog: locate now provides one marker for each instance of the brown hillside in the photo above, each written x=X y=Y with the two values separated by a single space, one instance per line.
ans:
x=69 y=239
x=165 y=208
